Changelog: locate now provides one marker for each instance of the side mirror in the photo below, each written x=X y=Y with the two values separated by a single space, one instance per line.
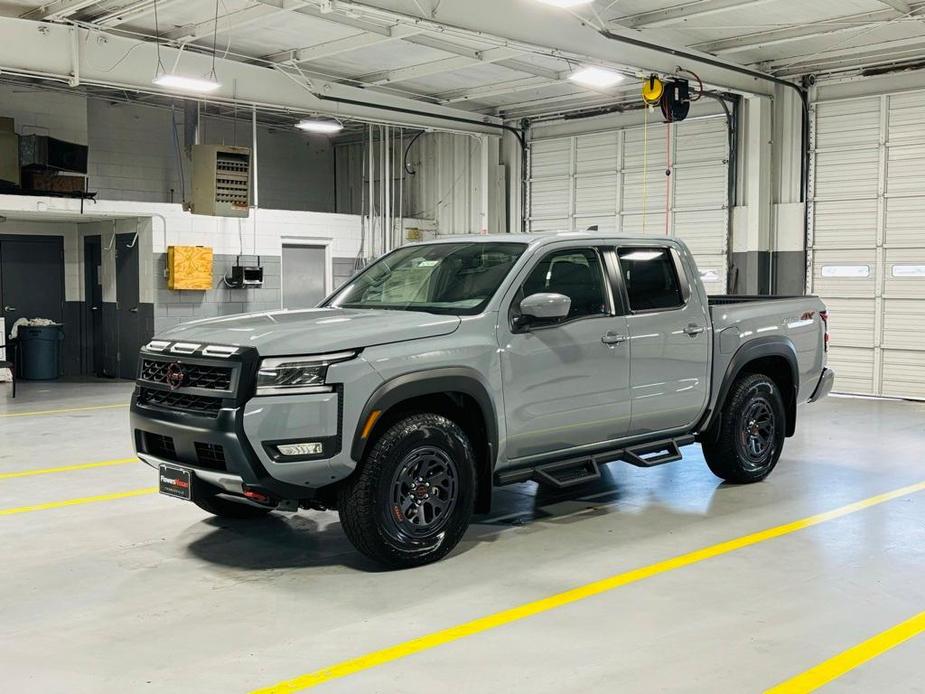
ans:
x=545 y=306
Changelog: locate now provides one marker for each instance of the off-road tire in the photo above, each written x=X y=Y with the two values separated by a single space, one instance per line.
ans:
x=370 y=501
x=229 y=508
x=745 y=450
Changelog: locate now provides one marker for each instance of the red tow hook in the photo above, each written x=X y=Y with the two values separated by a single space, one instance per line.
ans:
x=259 y=497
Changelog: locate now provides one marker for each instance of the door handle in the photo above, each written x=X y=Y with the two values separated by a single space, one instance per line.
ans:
x=693 y=330
x=94 y=308
x=133 y=310
x=612 y=338
x=9 y=309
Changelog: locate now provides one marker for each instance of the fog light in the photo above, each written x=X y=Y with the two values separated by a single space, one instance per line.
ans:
x=301 y=448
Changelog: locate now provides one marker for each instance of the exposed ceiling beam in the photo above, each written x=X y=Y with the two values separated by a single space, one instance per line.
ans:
x=898 y=5
x=458 y=62
x=338 y=46
x=305 y=7
x=537 y=29
x=881 y=52
x=59 y=10
x=129 y=13
x=32 y=48
x=796 y=32
x=680 y=13
x=497 y=89
x=230 y=22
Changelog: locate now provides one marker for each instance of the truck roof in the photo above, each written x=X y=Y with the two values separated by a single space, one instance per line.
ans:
x=543 y=237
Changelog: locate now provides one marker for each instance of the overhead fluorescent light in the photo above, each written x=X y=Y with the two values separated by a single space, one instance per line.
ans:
x=320 y=125
x=187 y=84
x=597 y=77
x=566 y=3
x=641 y=255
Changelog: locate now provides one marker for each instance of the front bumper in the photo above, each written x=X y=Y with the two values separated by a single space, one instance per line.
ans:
x=825 y=385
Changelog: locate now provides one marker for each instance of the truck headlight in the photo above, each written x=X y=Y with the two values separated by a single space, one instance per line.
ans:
x=292 y=375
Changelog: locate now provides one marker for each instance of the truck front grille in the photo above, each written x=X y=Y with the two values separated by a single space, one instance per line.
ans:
x=160 y=445
x=186 y=402
x=210 y=455
x=194 y=375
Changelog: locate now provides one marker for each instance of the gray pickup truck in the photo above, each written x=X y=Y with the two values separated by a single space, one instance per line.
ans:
x=449 y=367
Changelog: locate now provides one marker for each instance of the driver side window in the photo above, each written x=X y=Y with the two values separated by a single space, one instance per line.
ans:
x=574 y=272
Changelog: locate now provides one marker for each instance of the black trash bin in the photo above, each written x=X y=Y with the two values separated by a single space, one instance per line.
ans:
x=39 y=352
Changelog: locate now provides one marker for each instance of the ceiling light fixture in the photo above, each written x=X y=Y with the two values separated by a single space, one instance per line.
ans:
x=162 y=78
x=320 y=125
x=566 y=3
x=597 y=77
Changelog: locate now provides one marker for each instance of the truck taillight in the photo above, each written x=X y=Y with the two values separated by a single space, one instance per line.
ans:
x=824 y=315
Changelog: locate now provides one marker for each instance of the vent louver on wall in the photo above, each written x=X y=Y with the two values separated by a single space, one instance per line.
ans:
x=221 y=181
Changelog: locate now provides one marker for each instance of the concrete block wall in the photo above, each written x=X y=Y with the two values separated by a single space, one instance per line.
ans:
x=44 y=112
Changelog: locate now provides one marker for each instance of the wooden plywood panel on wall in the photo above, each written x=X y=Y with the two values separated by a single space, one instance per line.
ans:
x=189 y=267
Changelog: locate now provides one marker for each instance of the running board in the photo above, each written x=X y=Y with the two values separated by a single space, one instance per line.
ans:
x=572 y=472
x=656 y=453
x=568 y=473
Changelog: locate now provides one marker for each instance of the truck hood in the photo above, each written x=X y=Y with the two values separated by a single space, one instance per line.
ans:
x=314 y=331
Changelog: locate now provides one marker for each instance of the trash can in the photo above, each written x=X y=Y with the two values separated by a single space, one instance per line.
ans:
x=39 y=349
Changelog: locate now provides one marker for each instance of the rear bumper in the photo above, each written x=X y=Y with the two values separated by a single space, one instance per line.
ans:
x=824 y=387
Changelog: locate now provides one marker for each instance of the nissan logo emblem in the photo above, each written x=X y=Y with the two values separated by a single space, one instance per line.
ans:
x=175 y=376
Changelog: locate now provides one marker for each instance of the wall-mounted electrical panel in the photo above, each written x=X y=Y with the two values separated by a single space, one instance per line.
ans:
x=243 y=276
x=189 y=267
x=221 y=181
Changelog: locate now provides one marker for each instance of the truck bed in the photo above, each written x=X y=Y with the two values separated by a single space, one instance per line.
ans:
x=724 y=299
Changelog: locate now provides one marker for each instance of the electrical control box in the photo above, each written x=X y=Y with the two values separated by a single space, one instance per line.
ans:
x=221 y=181
x=246 y=275
x=189 y=267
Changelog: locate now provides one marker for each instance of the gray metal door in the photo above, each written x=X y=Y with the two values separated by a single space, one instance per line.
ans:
x=127 y=301
x=31 y=278
x=92 y=352
x=303 y=276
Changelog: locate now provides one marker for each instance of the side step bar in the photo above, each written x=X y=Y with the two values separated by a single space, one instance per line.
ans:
x=574 y=471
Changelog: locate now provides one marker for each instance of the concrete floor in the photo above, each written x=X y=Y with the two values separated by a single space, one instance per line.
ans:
x=148 y=594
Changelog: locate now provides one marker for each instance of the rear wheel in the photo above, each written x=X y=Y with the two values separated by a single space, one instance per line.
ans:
x=229 y=508
x=412 y=497
x=751 y=431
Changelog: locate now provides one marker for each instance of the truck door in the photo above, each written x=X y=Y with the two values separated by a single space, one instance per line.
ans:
x=565 y=383
x=670 y=339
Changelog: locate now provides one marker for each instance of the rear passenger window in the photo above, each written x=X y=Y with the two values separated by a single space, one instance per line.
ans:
x=650 y=278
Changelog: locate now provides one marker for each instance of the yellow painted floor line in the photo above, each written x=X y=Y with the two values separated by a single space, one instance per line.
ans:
x=493 y=621
x=64 y=410
x=77 y=502
x=835 y=667
x=66 y=468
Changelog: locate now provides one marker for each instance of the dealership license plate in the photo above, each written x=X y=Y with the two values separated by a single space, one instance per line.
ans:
x=175 y=481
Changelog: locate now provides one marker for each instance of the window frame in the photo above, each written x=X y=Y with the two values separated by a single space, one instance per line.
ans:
x=680 y=276
x=606 y=287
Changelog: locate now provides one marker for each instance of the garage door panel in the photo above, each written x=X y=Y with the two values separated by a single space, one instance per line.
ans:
x=550 y=158
x=854 y=369
x=851 y=322
x=560 y=224
x=905 y=221
x=906 y=117
x=700 y=141
x=635 y=196
x=704 y=230
x=904 y=373
x=847 y=174
x=596 y=194
x=845 y=224
x=597 y=152
x=550 y=198
x=842 y=273
x=903 y=321
x=712 y=271
x=904 y=274
x=848 y=123
x=633 y=224
x=905 y=167
x=699 y=186
x=604 y=223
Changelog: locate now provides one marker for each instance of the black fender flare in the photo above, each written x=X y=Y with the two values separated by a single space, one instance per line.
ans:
x=458 y=379
x=759 y=348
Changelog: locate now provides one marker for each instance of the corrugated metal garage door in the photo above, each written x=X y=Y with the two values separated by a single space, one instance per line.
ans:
x=597 y=178
x=867 y=237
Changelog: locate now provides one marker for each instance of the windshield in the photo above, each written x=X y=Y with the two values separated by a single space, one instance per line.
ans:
x=454 y=278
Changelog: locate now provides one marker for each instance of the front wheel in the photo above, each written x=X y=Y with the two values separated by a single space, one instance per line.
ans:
x=751 y=431
x=411 y=499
